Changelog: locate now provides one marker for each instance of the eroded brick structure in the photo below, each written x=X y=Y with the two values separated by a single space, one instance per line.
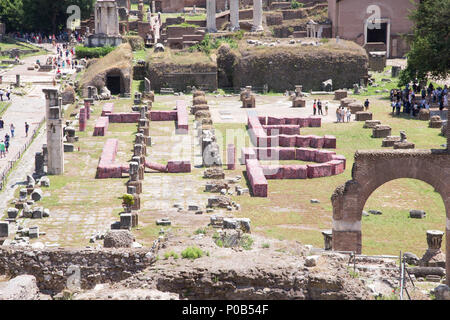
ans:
x=373 y=169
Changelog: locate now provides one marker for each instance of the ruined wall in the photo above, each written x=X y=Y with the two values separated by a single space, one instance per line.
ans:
x=53 y=267
x=284 y=67
x=178 y=76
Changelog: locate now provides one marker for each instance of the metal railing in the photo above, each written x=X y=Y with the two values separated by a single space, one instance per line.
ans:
x=11 y=163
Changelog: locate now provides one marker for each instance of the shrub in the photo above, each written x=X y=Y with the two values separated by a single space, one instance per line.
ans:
x=167 y=255
x=208 y=44
x=89 y=53
x=266 y=245
x=295 y=4
x=136 y=42
x=192 y=253
x=128 y=199
x=200 y=231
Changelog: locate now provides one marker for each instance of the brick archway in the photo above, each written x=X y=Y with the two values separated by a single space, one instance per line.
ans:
x=373 y=169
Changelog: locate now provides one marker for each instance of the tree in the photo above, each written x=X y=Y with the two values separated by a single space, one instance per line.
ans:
x=430 y=47
x=48 y=16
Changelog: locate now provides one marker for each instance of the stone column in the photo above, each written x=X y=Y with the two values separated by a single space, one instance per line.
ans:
x=231 y=157
x=211 y=16
x=257 y=16
x=87 y=105
x=234 y=15
x=82 y=120
x=17 y=80
x=55 y=147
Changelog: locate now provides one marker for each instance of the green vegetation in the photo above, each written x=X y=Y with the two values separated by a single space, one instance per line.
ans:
x=184 y=25
x=47 y=16
x=167 y=255
x=3 y=107
x=192 y=253
x=429 y=54
x=128 y=199
x=296 y=5
x=200 y=231
x=89 y=53
x=266 y=246
x=208 y=44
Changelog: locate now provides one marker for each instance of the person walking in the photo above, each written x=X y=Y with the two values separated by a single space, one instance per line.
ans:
x=338 y=114
x=366 y=104
x=2 y=149
x=27 y=127
x=326 y=108
x=319 y=107
x=1 y=94
x=8 y=93
x=2 y=124
x=12 y=128
x=6 y=145
x=314 y=107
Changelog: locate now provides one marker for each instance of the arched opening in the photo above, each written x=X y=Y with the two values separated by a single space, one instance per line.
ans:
x=394 y=230
x=114 y=82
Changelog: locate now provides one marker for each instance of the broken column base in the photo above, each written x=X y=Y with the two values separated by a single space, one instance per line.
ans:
x=404 y=145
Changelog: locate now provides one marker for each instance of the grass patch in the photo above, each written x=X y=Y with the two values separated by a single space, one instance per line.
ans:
x=192 y=253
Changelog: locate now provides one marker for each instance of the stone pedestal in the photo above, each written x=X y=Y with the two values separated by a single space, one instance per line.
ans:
x=298 y=103
x=340 y=94
x=328 y=239
x=381 y=131
x=433 y=257
x=87 y=105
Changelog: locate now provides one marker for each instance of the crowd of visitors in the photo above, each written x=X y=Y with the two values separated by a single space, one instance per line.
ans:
x=416 y=97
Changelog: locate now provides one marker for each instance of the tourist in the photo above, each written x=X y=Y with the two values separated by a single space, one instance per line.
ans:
x=349 y=115
x=12 y=128
x=2 y=149
x=314 y=107
x=343 y=114
x=326 y=108
x=397 y=107
x=8 y=93
x=6 y=145
x=319 y=107
x=366 y=104
x=1 y=94
x=27 y=127
x=338 y=114
x=2 y=123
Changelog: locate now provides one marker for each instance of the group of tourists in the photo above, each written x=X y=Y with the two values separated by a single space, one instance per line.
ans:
x=5 y=143
x=317 y=107
x=342 y=114
x=6 y=93
x=407 y=98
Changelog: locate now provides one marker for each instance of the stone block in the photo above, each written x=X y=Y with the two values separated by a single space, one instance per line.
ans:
x=356 y=107
x=337 y=166
x=12 y=213
x=305 y=154
x=324 y=156
x=256 y=178
x=389 y=141
x=381 y=131
x=38 y=213
x=303 y=122
x=37 y=195
x=315 y=122
x=4 y=229
x=275 y=120
x=329 y=142
x=286 y=154
x=316 y=142
x=319 y=170
x=125 y=221
x=101 y=126
x=340 y=94
x=363 y=116
x=286 y=140
x=302 y=141
x=272 y=172
x=340 y=158
x=33 y=232
x=295 y=172
x=370 y=124
x=178 y=166
x=404 y=145
x=417 y=214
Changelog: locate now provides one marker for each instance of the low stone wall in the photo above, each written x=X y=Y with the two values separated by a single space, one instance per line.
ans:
x=256 y=178
x=101 y=126
x=55 y=269
x=106 y=167
x=182 y=118
x=124 y=117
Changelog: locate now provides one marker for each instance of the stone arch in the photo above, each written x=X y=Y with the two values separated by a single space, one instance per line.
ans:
x=373 y=169
x=115 y=77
